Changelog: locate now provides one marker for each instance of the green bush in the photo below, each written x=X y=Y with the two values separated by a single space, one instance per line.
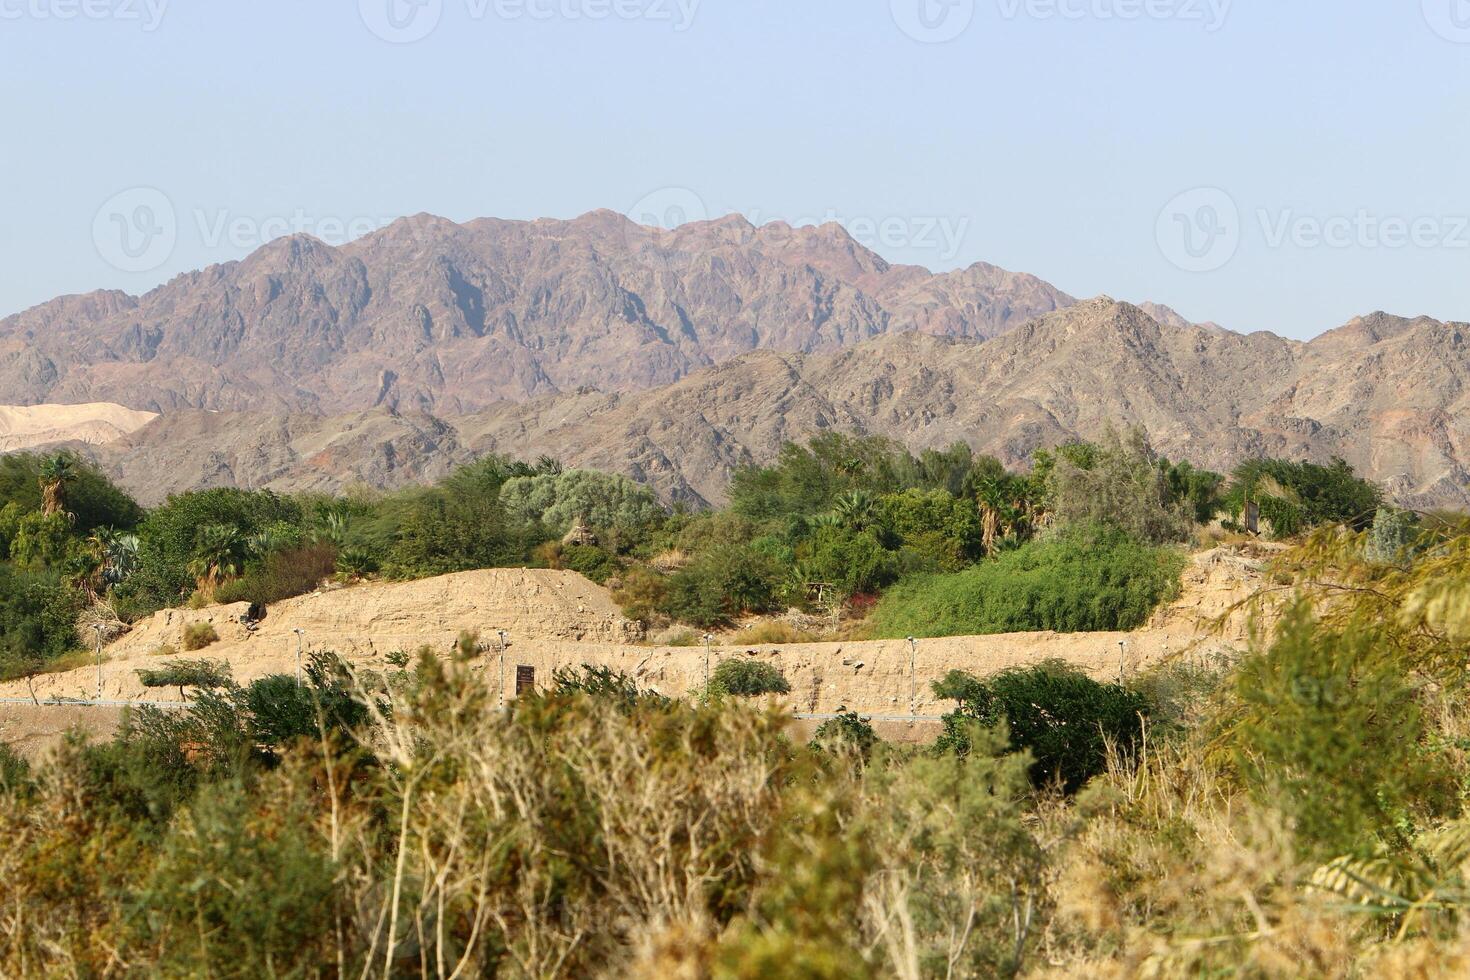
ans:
x=744 y=678
x=849 y=731
x=853 y=561
x=721 y=584
x=1064 y=718
x=603 y=500
x=1086 y=579
x=593 y=562
x=38 y=616
x=187 y=673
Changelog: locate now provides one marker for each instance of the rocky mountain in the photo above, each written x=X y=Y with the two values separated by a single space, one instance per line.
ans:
x=1387 y=394
x=432 y=316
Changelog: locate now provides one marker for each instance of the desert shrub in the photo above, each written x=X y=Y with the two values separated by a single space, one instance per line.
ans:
x=1086 y=579
x=1062 y=717
x=282 y=574
x=15 y=771
x=772 y=631
x=720 y=584
x=606 y=683
x=281 y=710
x=853 y=561
x=187 y=673
x=848 y=732
x=1120 y=483
x=745 y=678
x=197 y=636
x=1393 y=537
x=593 y=562
x=602 y=500
x=1330 y=731
x=438 y=531
x=640 y=593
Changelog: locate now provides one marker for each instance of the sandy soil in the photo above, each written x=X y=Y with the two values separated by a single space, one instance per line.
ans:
x=25 y=426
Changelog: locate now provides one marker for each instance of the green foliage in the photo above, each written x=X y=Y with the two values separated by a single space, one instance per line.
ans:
x=1330 y=731
x=1086 y=579
x=944 y=528
x=280 y=710
x=848 y=732
x=282 y=574
x=722 y=583
x=604 y=683
x=602 y=500
x=40 y=541
x=440 y=531
x=1064 y=719
x=1295 y=497
x=1120 y=482
x=746 y=678
x=38 y=615
x=853 y=561
x=187 y=673
x=596 y=563
x=91 y=498
x=1394 y=536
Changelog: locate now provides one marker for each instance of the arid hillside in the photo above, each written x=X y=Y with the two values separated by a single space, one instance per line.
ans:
x=1386 y=394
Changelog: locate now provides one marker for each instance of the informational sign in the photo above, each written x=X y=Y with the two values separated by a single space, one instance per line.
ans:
x=525 y=680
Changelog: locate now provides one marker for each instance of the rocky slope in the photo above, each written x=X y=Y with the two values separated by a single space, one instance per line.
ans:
x=1386 y=394
x=430 y=315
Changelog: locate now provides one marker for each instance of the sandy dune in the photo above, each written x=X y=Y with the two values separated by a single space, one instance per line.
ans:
x=27 y=426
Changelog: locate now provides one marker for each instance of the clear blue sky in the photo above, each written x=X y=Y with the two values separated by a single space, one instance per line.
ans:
x=1048 y=136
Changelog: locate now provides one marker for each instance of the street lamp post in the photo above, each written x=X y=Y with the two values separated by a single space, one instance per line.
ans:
x=501 y=636
x=913 y=677
x=97 y=629
x=300 y=633
x=1122 y=644
x=708 y=639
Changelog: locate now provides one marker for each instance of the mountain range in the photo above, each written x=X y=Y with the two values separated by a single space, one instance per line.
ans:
x=677 y=356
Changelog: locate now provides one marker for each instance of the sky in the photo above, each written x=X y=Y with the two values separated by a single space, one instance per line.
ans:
x=1277 y=165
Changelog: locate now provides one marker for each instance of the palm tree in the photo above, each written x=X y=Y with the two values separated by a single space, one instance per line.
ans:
x=56 y=474
x=857 y=510
x=217 y=557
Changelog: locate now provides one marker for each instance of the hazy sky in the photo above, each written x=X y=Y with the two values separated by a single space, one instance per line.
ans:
x=1269 y=164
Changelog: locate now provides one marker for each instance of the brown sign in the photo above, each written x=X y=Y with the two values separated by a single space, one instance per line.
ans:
x=525 y=680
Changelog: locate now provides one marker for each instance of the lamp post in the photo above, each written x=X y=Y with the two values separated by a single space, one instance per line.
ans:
x=300 y=634
x=1122 y=644
x=97 y=629
x=913 y=677
x=708 y=639
x=501 y=636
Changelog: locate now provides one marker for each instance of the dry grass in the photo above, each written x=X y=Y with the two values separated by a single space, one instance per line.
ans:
x=197 y=636
x=771 y=631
